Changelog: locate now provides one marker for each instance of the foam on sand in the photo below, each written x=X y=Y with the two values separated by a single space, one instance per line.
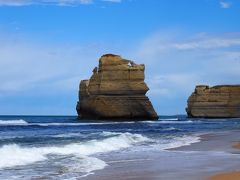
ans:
x=176 y=142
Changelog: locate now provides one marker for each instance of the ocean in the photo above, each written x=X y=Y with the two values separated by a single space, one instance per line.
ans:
x=63 y=147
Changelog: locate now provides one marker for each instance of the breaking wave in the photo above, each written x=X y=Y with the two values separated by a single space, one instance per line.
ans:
x=21 y=122
x=15 y=155
x=13 y=122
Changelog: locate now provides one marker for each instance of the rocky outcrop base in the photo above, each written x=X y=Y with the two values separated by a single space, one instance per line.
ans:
x=115 y=107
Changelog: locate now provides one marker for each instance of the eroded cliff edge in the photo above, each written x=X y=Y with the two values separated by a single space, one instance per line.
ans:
x=221 y=101
x=116 y=90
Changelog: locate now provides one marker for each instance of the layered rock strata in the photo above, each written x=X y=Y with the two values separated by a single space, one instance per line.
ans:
x=215 y=102
x=116 y=90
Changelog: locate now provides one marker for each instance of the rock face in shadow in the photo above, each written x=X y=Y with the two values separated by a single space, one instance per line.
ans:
x=116 y=90
x=215 y=102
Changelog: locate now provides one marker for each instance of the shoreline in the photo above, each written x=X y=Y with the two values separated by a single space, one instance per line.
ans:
x=228 y=175
x=186 y=162
x=237 y=145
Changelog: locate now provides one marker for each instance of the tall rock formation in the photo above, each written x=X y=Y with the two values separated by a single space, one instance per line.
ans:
x=215 y=102
x=116 y=90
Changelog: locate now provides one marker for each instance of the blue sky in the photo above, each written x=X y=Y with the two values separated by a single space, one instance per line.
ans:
x=48 y=46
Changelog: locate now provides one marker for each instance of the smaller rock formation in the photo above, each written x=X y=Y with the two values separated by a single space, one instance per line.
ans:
x=215 y=102
x=116 y=90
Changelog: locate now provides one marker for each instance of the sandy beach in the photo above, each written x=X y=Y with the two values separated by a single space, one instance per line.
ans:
x=237 y=145
x=215 y=154
x=229 y=175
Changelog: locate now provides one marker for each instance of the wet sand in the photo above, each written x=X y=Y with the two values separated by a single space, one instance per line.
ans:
x=213 y=155
x=237 y=145
x=228 y=175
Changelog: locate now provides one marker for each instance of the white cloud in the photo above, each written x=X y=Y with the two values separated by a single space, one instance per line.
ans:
x=15 y=2
x=27 y=65
x=176 y=63
x=171 y=84
x=211 y=43
x=32 y=71
x=43 y=2
x=51 y=2
x=225 y=5
x=197 y=42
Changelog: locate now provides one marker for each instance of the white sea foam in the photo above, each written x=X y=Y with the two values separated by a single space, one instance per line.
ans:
x=174 y=122
x=102 y=133
x=57 y=124
x=13 y=155
x=108 y=133
x=176 y=142
x=168 y=122
x=170 y=129
x=79 y=123
x=21 y=122
x=169 y=119
x=85 y=164
x=67 y=135
x=13 y=122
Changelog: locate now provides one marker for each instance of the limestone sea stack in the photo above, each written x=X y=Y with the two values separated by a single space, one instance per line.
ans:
x=221 y=101
x=116 y=90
